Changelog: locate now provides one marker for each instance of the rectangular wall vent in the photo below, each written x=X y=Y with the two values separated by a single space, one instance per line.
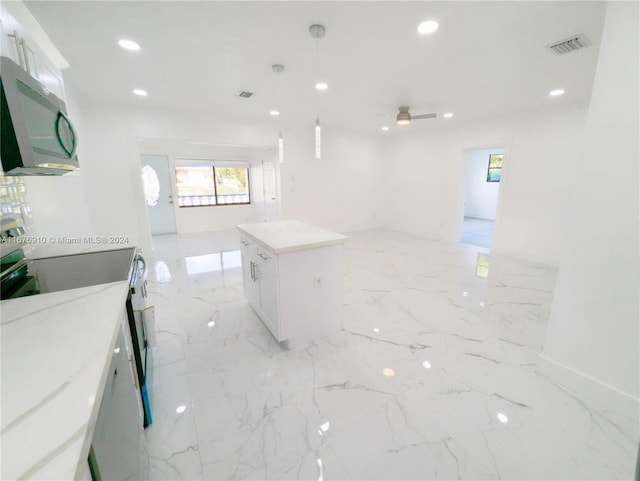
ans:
x=244 y=94
x=570 y=44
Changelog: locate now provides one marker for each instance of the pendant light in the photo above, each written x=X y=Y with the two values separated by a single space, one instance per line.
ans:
x=318 y=138
x=278 y=69
x=317 y=32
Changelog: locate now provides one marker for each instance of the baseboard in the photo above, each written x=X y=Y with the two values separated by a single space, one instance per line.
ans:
x=592 y=390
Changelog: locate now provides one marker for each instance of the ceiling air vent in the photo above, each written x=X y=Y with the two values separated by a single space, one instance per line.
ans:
x=570 y=44
x=244 y=94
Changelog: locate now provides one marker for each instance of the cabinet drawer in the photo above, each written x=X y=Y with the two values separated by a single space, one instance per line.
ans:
x=246 y=243
x=267 y=259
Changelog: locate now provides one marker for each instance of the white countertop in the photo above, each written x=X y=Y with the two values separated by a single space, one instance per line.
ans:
x=56 y=349
x=51 y=249
x=290 y=235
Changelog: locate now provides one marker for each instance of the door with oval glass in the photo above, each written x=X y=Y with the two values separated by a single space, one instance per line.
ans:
x=156 y=181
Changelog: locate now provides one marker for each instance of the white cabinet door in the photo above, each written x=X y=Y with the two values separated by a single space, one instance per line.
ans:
x=269 y=299
x=32 y=56
x=51 y=78
x=250 y=274
x=18 y=45
x=118 y=440
x=10 y=45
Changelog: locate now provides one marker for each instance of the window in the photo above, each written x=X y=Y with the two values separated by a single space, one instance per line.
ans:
x=150 y=185
x=205 y=183
x=495 y=167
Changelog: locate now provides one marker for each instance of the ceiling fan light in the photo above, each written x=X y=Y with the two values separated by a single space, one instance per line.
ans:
x=403 y=118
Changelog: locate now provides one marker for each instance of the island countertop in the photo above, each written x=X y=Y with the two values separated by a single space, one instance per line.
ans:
x=290 y=235
x=56 y=350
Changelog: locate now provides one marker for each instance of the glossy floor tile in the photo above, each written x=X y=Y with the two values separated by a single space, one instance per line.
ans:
x=432 y=377
x=477 y=232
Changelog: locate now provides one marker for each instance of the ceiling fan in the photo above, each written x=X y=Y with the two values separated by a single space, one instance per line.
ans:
x=404 y=117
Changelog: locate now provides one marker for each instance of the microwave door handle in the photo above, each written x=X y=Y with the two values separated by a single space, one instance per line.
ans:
x=145 y=271
x=62 y=116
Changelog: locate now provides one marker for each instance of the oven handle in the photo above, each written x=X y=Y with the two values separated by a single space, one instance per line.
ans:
x=14 y=267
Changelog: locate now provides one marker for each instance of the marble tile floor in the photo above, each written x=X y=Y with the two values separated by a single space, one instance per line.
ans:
x=477 y=232
x=432 y=377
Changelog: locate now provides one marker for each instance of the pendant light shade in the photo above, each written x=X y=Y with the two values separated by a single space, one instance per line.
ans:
x=318 y=139
x=281 y=148
x=278 y=69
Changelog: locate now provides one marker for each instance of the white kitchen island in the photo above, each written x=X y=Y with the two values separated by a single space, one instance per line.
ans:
x=292 y=276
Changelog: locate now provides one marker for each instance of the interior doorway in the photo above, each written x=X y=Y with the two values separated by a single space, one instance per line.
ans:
x=156 y=182
x=483 y=172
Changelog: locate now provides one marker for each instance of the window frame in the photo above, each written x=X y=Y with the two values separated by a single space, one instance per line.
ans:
x=494 y=169
x=187 y=163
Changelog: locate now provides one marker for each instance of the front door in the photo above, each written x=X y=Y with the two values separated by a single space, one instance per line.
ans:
x=156 y=181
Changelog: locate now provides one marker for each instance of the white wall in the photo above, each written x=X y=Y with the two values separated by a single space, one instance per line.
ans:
x=425 y=178
x=481 y=197
x=411 y=181
x=594 y=327
x=342 y=190
x=60 y=203
x=337 y=192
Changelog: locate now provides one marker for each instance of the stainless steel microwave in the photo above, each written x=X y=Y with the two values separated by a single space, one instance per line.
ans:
x=37 y=136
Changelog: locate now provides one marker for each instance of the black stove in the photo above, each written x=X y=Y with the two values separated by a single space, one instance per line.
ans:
x=23 y=277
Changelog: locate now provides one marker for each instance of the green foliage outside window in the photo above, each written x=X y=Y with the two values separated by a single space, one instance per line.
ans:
x=495 y=167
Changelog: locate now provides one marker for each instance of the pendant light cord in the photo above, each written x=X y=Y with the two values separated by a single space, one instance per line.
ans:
x=318 y=76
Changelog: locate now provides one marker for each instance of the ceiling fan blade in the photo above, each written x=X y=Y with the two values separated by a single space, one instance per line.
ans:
x=423 y=116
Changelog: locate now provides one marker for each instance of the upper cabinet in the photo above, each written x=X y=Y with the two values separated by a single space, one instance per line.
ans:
x=24 y=41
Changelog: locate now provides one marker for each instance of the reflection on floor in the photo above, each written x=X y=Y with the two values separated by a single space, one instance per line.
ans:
x=477 y=232
x=432 y=377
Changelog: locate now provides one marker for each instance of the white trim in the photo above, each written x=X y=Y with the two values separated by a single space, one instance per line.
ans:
x=232 y=163
x=193 y=162
x=591 y=389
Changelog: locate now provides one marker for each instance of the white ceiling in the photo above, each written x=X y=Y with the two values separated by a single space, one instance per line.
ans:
x=487 y=58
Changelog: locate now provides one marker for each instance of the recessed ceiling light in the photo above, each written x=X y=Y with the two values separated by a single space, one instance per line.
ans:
x=140 y=92
x=385 y=128
x=448 y=115
x=322 y=86
x=502 y=418
x=427 y=27
x=556 y=93
x=129 y=44
x=275 y=113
